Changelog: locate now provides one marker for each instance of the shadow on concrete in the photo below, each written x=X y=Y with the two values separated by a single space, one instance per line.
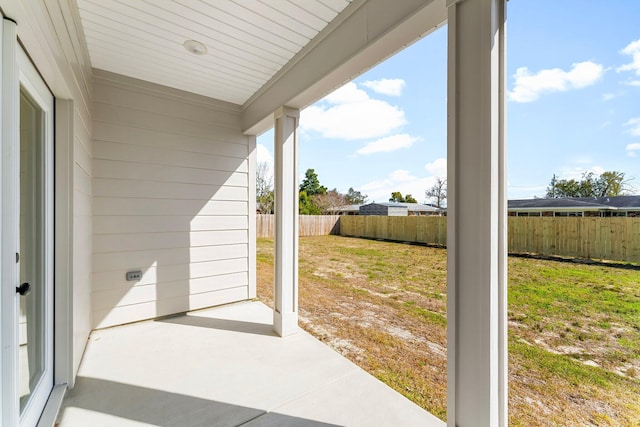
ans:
x=102 y=400
x=221 y=324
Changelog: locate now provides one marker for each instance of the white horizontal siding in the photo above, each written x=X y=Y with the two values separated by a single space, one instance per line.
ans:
x=146 y=224
x=163 y=307
x=142 y=241
x=127 y=188
x=161 y=207
x=225 y=146
x=113 y=263
x=167 y=173
x=132 y=153
x=170 y=198
x=104 y=300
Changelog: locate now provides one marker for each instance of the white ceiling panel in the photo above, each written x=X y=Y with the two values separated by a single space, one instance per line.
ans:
x=248 y=41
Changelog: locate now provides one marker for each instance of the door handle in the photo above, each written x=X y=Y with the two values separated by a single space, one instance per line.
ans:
x=23 y=289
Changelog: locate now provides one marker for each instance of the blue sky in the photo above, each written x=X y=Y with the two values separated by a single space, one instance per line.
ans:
x=573 y=70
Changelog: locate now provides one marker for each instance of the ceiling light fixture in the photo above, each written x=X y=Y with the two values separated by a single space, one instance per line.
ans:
x=195 y=47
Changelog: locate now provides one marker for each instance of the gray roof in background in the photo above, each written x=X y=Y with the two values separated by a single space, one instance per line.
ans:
x=615 y=201
x=561 y=203
x=588 y=203
x=346 y=208
x=413 y=207
x=581 y=203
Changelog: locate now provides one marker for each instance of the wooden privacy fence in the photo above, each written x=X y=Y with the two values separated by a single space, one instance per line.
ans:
x=421 y=229
x=310 y=225
x=616 y=239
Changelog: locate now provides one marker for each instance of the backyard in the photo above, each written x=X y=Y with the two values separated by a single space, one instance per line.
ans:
x=574 y=329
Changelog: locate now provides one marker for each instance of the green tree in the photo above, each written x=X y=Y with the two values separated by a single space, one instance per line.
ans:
x=311 y=184
x=610 y=183
x=306 y=205
x=355 y=197
x=397 y=197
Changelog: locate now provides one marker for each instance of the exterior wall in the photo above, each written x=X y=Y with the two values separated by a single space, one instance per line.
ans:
x=397 y=211
x=171 y=198
x=51 y=33
x=383 y=210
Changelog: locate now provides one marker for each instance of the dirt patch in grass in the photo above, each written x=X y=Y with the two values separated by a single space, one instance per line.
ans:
x=574 y=330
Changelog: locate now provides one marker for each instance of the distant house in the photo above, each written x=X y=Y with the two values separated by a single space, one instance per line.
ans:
x=345 y=210
x=618 y=206
x=387 y=209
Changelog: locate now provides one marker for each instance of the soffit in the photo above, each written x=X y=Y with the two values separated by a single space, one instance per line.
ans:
x=248 y=41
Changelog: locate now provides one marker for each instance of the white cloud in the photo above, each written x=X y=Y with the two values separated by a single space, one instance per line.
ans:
x=352 y=115
x=391 y=87
x=610 y=95
x=633 y=50
x=405 y=182
x=263 y=154
x=529 y=86
x=389 y=143
x=576 y=172
x=632 y=149
x=399 y=180
x=438 y=167
x=347 y=94
x=634 y=126
x=401 y=175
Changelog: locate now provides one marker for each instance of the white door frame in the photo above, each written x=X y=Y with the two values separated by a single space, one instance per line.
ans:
x=17 y=72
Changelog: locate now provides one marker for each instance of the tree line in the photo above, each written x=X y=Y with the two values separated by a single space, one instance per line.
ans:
x=316 y=199
x=607 y=184
x=313 y=198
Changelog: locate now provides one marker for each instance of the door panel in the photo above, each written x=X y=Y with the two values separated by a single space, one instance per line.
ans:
x=32 y=358
x=27 y=237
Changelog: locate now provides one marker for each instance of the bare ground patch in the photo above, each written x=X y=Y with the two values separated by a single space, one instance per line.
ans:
x=574 y=330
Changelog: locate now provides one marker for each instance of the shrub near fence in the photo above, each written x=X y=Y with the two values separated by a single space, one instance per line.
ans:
x=310 y=225
x=615 y=239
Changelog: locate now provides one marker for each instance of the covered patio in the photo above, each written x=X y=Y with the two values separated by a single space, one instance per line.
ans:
x=157 y=109
x=226 y=367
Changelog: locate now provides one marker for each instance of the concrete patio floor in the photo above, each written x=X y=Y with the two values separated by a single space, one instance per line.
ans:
x=226 y=367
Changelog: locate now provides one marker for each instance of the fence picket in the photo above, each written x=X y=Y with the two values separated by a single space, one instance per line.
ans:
x=615 y=239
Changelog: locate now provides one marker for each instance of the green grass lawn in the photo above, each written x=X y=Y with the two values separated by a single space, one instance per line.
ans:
x=574 y=330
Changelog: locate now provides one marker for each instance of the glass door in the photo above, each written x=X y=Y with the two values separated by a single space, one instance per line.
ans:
x=35 y=254
x=26 y=238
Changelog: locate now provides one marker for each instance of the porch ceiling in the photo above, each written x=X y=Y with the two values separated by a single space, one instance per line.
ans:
x=248 y=41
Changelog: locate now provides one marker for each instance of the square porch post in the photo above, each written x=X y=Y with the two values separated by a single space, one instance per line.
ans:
x=477 y=334
x=285 y=313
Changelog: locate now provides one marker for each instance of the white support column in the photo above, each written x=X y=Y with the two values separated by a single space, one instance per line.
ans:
x=477 y=325
x=285 y=313
x=253 y=155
